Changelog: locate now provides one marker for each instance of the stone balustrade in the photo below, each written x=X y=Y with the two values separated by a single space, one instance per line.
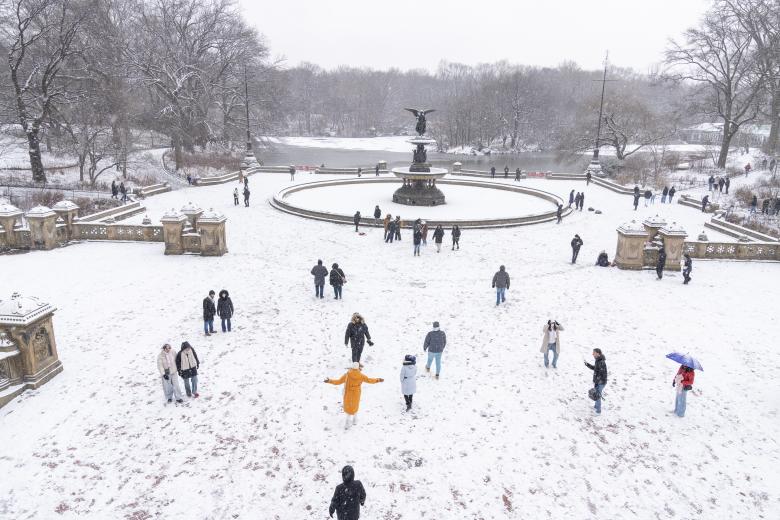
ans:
x=732 y=250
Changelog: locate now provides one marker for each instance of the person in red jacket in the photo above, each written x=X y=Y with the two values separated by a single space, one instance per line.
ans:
x=683 y=381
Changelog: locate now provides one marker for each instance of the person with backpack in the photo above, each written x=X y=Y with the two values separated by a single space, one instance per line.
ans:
x=209 y=310
x=348 y=496
x=166 y=365
x=409 y=379
x=683 y=382
x=319 y=272
x=434 y=344
x=576 y=244
x=501 y=284
x=225 y=309
x=599 y=377
x=438 y=237
x=352 y=381
x=357 y=335
x=456 y=237
x=187 y=363
x=337 y=280
x=551 y=341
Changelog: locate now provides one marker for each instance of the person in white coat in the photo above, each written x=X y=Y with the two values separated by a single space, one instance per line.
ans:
x=409 y=379
x=166 y=365
x=551 y=341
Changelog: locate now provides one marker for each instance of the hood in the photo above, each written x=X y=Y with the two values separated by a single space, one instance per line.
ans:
x=347 y=474
x=223 y=293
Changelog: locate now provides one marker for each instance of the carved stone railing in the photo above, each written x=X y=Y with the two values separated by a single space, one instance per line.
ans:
x=733 y=250
x=103 y=231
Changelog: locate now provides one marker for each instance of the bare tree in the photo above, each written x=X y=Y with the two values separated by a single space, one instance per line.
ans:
x=720 y=55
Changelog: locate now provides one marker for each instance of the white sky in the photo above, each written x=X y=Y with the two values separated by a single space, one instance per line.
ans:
x=385 y=33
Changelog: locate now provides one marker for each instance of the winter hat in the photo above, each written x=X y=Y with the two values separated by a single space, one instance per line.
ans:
x=185 y=344
x=435 y=324
x=410 y=359
x=334 y=266
x=356 y=365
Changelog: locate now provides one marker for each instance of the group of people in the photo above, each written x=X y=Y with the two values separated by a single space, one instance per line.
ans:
x=716 y=184
x=117 y=190
x=245 y=181
x=336 y=278
x=222 y=308
x=518 y=172
x=667 y=194
x=578 y=200
x=184 y=364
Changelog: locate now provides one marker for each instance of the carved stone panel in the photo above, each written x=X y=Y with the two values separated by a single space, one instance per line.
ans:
x=41 y=345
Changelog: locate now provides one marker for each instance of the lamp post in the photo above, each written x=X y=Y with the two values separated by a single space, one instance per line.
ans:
x=249 y=157
x=595 y=166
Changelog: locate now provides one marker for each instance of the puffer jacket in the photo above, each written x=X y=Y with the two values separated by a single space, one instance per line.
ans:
x=435 y=341
x=599 y=370
x=165 y=361
x=408 y=378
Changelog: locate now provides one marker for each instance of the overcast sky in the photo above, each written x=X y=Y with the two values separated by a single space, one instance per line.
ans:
x=419 y=33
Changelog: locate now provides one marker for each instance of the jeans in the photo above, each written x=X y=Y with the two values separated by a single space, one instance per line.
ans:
x=663 y=199
x=208 y=325
x=416 y=249
x=599 y=389
x=434 y=356
x=679 y=403
x=318 y=289
x=171 y=387
x=574 y=252
x=551 y=346
x=337 y=291
x=357 y=351
x=225 y=324
x=194 y=388
x=456 y=243
x=389 y=237
x=500 y=295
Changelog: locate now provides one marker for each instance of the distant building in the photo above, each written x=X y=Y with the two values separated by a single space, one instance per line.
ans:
x=712 y=133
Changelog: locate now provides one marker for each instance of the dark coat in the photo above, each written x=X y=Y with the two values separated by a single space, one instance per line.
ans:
x=377 y=212
x=576 y=243
x=435 y=341
x=348 y=497
x=225 y=306
x=417 y=237
x=501 y=280
x=661 y=259
x=672 y=191
x=438 y=235
x=209 y=310
x=319 y=272
x=603 y=260
x=190 y=372
x=688 y=267
x=356 y=218
x=455 y=233
x=666 y=191
x=337 y=276
x=571 y=197
x=599 y=370
x=356 y=334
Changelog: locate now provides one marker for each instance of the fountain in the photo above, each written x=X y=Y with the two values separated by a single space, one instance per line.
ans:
x=419 y=179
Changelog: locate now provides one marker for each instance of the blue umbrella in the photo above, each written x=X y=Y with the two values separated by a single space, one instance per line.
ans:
x=685 y=360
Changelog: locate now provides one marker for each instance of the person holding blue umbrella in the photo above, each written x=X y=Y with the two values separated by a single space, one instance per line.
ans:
x=683 y=380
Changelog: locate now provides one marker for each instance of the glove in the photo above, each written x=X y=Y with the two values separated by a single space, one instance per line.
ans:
x=381 y=380
x=166 y=377
x=326 y=380
x=687 y=387
x=370 y=343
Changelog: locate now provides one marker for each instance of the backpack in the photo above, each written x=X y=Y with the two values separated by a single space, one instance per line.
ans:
x=594 y=394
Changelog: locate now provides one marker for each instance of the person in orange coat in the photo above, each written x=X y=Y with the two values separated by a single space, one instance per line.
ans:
x=352 y=381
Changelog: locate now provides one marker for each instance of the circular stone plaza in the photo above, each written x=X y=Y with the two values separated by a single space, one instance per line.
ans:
x=497 y=436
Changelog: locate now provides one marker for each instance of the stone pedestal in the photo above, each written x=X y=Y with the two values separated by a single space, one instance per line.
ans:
x=594 y=167
x=192 y=212
x=28 y=350
x=673 y=236
x=173 y=226
x=69 y=213
x=9 y=214
x=630 y=248
x=382 y=165
x=652 y=225
x=43 y=227
x=212 y=234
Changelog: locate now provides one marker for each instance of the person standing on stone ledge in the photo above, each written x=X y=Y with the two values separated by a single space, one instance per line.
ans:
x=209 y=310
x=166 y=365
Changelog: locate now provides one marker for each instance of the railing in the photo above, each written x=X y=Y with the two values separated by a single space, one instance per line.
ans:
x=733 y=250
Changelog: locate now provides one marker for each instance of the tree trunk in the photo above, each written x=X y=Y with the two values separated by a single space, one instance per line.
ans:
x=177 y=153
x=771 y=145
x=36 y=164
x=724 y=144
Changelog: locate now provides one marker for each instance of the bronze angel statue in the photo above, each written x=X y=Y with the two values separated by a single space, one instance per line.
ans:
x=420 y=115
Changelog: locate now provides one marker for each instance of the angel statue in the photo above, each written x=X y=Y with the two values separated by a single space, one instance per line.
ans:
x=420 y=115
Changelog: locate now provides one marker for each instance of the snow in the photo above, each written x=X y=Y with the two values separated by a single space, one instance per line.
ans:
x=498 y=436
x=394 y=143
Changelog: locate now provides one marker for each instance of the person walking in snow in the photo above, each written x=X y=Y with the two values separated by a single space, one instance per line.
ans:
x=166 y=365
x=417 y=239
x=356 y=220
x=438 y=236
x=721 y=184
x=123 y=191
x=357 y=335
x=683 y=382
x=397 y=227
x=348 y=496
x=501 y=284
x=246 y=196
x=664 y=194
x=492 y=172
x=687 y=268
x=377 y=214
x=225 y=309
x=390 y=231
x=337 y=280
x=376 y=170
x=434 y=344
x=551 y=341
x=424 y=233
x=582 y=200
x=576 y=244
x=577 y=201
x=704 y=202
x=517 y=174
x=753 y=204
x=409 y=379
x=319 y=272
x=727 y=184
x=659 y=266
x=388 y=218
x=352 y=379
x=209 y=310
x=636 y=200
x=747 y=169
x=588 y=177
x=571 y=198
x=235 y=196
x=599 y=368
x=455 y=237
x=506 y=172
x=114 y=189
x=187 y=364
x=671 y=194
x=648 y=194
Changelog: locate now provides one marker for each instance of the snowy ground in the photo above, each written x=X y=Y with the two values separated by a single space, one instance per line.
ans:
x=391 y=143
x=499 y=436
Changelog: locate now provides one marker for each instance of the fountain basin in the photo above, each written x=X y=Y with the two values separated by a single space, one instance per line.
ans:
x=419 y=187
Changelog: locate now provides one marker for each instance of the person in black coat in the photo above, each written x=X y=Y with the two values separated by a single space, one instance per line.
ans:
x=337 y=280
x=376 y=171
x=559 y=213
x=672 y=191
x=659 y=266
x=571 y=198
x=492 y=172
x=704 y=202
x=225 y=309
x=209 y=310
x=582 y=200
x=636 y=200
x=377 y=214
x=727 y=184
x=455 y=237
x=599 y=375
x=319 y=272
x=417 y=239
x=664 y=194
x=397 y=227
x=576 y=243
x=438 y=237
x=517 y=174
x=588 y=177
x=246 y=196
x=348 y=497
x=603 y=260
x=687 y=268
x=506 y=172
x=356 y=220
x=390 y=232
x=356 y=336
x=114 y=189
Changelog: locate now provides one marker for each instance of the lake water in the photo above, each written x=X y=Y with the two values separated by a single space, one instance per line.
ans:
x=281 y=154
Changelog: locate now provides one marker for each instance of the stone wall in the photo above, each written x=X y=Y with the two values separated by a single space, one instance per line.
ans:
x=733 y=250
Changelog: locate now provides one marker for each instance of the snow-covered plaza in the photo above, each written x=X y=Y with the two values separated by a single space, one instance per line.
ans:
x=498 y=436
